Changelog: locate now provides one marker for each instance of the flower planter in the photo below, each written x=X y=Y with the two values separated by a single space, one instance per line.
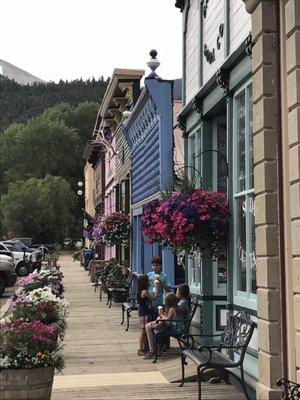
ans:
x=26 y=384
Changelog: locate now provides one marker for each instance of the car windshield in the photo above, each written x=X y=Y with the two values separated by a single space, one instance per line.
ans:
x=14 y=246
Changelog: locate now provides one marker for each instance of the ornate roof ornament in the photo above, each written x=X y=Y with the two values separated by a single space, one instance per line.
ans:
x=153 y=64
x=179 y=4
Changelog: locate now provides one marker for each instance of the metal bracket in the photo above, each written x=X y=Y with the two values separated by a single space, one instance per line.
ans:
x=222 y=78
x=248 y=45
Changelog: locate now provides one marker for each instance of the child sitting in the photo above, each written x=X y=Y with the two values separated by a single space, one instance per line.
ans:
x=183 y=296
x=173 y=318
x=145 y=305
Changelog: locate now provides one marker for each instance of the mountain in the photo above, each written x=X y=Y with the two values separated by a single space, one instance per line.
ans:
x=17 y=74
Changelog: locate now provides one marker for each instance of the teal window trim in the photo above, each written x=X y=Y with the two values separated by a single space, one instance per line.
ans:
x=194 y=146
x=194 y=274
x=219 y=288
x=243 y=297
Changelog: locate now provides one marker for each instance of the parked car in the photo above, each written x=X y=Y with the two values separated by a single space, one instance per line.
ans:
x=18 y=246
x=8 y=276
x=21 y=267
x=27 y=241
x=78 y=243
x=48 y=247
x=5 y=256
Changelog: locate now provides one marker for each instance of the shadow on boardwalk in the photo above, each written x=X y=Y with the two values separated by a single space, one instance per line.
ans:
x=101 y=358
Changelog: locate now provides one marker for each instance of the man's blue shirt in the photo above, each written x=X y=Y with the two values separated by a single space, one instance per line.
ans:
x=159 y=300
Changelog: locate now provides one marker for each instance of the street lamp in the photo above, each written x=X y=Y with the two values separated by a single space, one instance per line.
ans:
x=80 y=184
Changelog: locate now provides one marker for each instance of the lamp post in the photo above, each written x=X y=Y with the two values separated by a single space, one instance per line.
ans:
x=79 y=191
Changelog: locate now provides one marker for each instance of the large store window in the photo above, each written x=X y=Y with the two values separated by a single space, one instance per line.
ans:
x=243 y=192
x=194 y=267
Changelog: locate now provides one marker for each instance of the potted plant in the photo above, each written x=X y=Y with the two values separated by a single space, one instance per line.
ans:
x=30 y=337
x=29 y=354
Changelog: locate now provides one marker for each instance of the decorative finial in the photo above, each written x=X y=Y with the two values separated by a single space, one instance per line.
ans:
x=153 y=64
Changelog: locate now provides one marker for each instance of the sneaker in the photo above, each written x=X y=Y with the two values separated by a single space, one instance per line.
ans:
x=149 y=355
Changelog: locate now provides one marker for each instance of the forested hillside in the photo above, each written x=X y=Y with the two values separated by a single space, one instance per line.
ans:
x=19 y=103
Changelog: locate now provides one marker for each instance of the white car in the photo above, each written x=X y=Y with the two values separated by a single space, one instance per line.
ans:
x=4 y=257
x=21 y=267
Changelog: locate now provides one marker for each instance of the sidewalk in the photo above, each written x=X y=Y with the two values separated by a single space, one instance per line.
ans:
x=101 y=358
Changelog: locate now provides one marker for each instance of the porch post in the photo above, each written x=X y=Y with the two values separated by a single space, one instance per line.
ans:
x=266 y=149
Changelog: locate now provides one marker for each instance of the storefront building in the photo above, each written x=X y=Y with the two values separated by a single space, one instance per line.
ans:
x=241 y=114
x=108 y=153
x=276 y=129
x=217 y=123
x=149 y=132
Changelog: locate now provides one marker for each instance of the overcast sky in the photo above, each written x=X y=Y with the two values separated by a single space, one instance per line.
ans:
x=70 y=39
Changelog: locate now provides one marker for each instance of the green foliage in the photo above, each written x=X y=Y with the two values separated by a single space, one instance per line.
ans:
x=23 y=102
x=52 y=143
x=57 y=120
x=39 y=208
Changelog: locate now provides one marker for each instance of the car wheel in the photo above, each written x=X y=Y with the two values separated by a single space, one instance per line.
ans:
x=2 y=286
x=22 y=269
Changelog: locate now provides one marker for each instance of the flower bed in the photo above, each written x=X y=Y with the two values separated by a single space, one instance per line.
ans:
x=36 y=319
x=29 y=345
x=46 y=277
x=39 y=305
x=188 y=222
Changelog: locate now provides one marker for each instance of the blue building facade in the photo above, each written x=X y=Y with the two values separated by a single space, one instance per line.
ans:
x=149 y=132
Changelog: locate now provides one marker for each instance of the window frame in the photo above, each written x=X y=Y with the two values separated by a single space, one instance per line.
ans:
x=195 y=162
x=243 y=298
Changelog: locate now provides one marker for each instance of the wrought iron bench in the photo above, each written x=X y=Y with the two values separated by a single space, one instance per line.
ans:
x=208 y=354
x=131 y=303
x=98 y=284
x=291 y=390
x=120 y=292
x=166 y=332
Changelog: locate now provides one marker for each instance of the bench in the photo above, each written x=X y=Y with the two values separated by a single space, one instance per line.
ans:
x=165 y=332
x=131 y=303
x=291 y=390
x=208 y=354
x=98 y=284
x=120 y=293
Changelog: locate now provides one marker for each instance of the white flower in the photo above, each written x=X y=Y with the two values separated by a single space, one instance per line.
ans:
x=5 y=362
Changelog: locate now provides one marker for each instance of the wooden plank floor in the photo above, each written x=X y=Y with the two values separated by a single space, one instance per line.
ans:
x=101 y=358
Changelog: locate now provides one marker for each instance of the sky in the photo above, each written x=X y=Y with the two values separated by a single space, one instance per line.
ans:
x=73 y=39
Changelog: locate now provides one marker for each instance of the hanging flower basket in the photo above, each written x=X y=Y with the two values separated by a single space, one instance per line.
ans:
x=188 y=222
x=97 y=233
x=116 y=229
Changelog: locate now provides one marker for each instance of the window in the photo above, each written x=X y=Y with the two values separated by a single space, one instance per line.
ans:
x=194 y=262
x=219 y=184
x=194 y=276
x=243 y=191
x=194 y=161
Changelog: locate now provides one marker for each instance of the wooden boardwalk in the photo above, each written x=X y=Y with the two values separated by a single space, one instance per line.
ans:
x=101 y=358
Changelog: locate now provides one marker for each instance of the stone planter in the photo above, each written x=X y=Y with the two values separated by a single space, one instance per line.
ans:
x=26 y=384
